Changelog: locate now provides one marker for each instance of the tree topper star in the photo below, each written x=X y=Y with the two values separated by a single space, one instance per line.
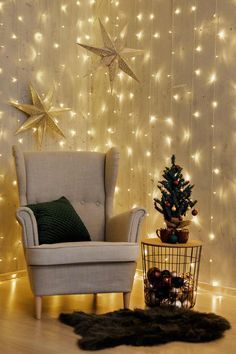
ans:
x=41 y=114
x=111 y=54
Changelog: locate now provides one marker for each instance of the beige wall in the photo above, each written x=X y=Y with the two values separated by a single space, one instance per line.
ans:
x=172 y=91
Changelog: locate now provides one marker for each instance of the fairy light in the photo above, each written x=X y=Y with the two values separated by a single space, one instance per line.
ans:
x=139 y=35
x=196 y=114
x=211 y=236
x=199 y=48
x=156 y=35
x=95 y=126
x=212 y=78
x=169 y=121
x=140 y=17
x=215 y=283
x=221 y=34
x=152 y=119
x=214 y=104
x=216 y=171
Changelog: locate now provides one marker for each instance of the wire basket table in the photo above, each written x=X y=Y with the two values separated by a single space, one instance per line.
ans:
x=170 y=272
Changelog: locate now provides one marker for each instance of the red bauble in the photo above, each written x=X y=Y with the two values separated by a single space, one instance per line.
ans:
x=194 y=212
x=167 y=204
x=176 y=182
x=153 y=275
x=181 y=218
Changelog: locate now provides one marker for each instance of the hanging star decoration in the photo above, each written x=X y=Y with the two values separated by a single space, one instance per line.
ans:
x=41 y=115
x=111 y=54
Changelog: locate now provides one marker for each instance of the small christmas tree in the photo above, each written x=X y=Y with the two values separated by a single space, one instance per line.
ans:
x=175 y=197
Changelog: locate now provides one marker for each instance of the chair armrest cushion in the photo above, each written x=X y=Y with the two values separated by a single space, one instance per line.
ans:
x=26 y=218
x=125 y=227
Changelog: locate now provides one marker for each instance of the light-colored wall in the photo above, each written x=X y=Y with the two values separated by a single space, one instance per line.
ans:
x=170 y=111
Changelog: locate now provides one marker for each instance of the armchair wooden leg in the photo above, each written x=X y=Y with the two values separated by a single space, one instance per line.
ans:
x=126 y=299
x=38 y=307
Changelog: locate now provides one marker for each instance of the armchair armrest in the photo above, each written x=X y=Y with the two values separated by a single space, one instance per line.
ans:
x=26 y=218
x=125 y=227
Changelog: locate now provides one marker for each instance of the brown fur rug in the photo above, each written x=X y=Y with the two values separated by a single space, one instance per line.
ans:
x=144 y=327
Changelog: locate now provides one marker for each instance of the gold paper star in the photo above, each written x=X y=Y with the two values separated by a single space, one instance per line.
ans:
x=41 y=114
x=111 y=54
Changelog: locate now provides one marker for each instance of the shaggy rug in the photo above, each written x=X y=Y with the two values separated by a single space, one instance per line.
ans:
x=144 y=327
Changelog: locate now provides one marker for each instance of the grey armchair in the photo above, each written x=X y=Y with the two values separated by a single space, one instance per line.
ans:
x=105 y=264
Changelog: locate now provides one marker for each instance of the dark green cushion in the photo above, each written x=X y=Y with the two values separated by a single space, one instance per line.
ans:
x=58 y=222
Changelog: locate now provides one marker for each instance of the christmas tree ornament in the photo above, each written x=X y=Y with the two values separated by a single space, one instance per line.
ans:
x=41 y=114
x=111 y=55
x=194 y=212
x=170 y=289
x=173 y=208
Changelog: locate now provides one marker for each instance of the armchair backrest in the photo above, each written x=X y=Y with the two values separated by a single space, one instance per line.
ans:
x=87 y=179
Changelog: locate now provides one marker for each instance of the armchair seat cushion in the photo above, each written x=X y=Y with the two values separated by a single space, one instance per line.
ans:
x=81 y=252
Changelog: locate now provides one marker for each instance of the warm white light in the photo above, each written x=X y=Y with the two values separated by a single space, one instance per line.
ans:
x=14 y=36
x=196 y=156
x=56 y=45
x=151 y=16
x=186 y=135
x=214 y=104
x=72 y=132
x=152 y=119
x=216 y=171
x=211 y=236
x=198 y=48
x=140 y=16
x=198 y=72
x=63 y=8
x=148 y=153
x=156 y=35
x=139 y=35
x=195 y=220
x=196 y=114
x=117 y=189
x=129 y=151
x=169 y=121
x=62 y=143
x=131 y=95
x=177 y=11
x=221 y=34
x=176 y=97
x=187 y=177
x=168 y=140
x=212 y=78
x=193 y=8
x=20 y=18
x=215 y=283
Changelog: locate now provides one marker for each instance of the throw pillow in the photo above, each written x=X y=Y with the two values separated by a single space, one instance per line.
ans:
x=58 y=222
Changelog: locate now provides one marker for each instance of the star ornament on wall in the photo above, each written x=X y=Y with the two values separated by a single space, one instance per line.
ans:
x=41 y=115
x=111 y=55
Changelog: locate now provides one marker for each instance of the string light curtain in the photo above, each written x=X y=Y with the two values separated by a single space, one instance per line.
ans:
x=184 y=104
